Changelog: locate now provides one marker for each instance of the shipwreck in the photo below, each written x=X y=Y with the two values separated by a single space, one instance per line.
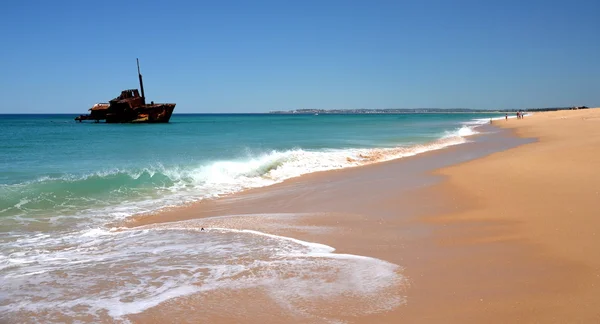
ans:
x=130 y=107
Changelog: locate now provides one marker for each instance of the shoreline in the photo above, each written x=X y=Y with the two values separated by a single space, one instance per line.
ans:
x=458 y=228
x=207 y=206
x=324 y=196
x=375 y=157
x=339 y=200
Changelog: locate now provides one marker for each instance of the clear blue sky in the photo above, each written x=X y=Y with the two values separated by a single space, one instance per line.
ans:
x=256 y=56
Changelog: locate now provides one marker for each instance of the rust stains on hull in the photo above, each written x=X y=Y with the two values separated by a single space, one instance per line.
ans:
x=153 y=113
x=130 y=107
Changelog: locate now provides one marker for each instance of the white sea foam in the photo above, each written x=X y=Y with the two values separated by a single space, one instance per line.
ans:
x=117 y=272
x=466 y=131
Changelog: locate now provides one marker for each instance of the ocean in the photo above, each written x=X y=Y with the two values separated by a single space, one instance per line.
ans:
x=63 y=186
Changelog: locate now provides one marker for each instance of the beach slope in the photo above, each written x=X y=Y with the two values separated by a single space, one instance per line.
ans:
x=531 y=216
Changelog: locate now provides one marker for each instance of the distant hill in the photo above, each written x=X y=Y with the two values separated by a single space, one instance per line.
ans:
x=413 y=111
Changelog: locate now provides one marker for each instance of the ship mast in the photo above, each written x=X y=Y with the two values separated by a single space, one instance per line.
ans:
x=141 y=82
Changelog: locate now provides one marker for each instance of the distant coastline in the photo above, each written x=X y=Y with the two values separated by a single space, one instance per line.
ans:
x=415 y=110
x=338 y=111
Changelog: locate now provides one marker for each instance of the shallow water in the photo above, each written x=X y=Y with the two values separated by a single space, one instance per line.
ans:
x=98 y=274
x=62 y=184
x=51 y=166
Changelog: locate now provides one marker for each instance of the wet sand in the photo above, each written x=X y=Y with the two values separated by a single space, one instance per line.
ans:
x=499 y=230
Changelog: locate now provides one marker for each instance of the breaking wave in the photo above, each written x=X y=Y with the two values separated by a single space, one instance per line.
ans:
x=123 y=192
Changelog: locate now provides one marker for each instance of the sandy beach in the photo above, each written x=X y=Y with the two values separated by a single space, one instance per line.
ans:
x=540 y=204
x=504 y=229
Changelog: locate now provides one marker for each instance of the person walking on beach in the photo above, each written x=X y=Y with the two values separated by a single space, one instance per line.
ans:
x=506 y=116
x=518 y=115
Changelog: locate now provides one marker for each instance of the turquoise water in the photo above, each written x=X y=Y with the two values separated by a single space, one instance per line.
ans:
x=62 y=185
x=51 y=165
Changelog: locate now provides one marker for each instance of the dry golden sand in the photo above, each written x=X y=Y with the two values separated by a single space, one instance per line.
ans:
x=513 y=237
x=531 y=216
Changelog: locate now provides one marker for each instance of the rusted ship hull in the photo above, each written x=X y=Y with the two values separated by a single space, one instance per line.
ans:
x=130 y=107
x=158 y=113
x=154 y=113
